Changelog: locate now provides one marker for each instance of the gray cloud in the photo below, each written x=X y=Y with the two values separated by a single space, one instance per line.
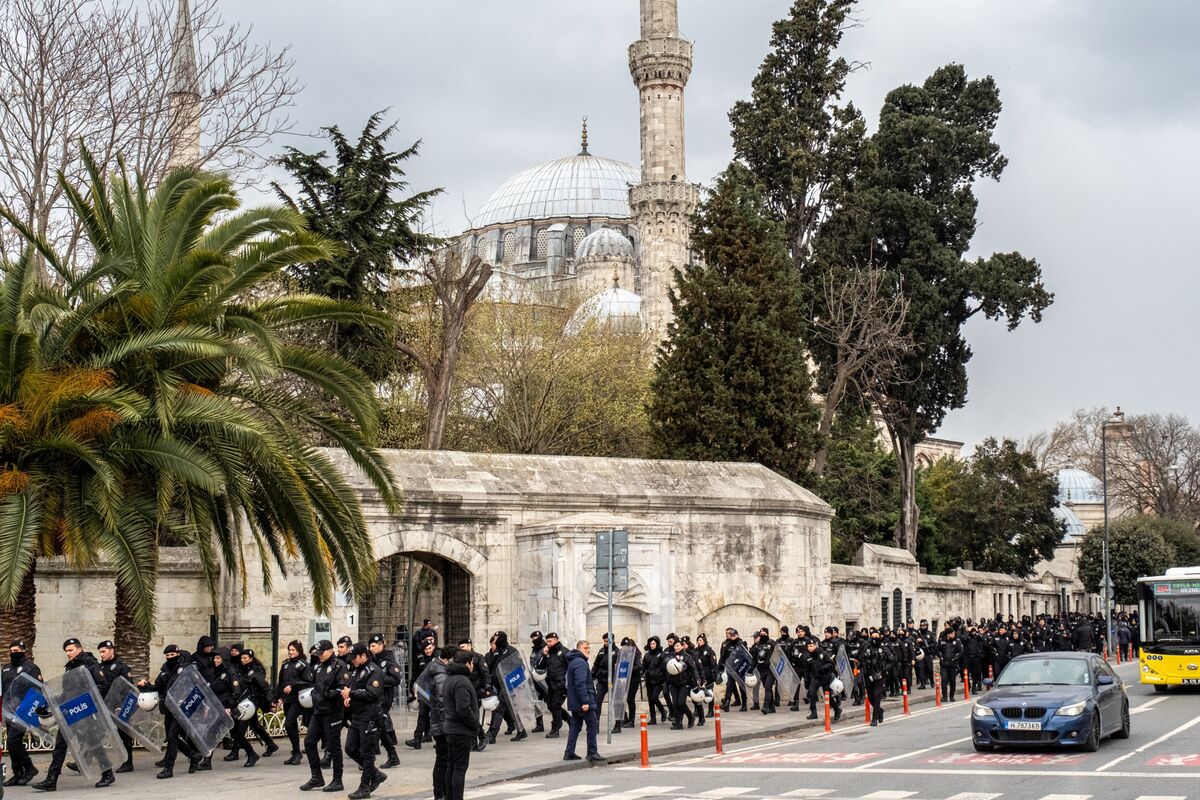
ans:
x=1100 y=125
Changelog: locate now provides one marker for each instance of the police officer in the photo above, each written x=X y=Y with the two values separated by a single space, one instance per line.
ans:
x=761 y=653
x=256 y=686
x=23 y=770
x=481 y=682
x=556 y=683
x=112 y=667
x=426 y=657
x=950 y=654
x=295 y=675
x=227 y=686
x=393 y=676
x=735 y=694
x=361 y=696
x=501 y=649
x=821 y=672
x=330 y=677
x=174 y=662
x=77 y=658
x=874 y=661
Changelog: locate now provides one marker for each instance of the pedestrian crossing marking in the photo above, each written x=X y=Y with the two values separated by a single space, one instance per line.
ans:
x=1162 y=797
x=887 y=794
x=807 y=793
x=475 y=794
x=974 y=796
x=555 y=794
x=728 y=791
x=639 y=791
x=1067 y=797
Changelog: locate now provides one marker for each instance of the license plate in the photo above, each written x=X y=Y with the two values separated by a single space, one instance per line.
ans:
x=1024 y=726
x=1191 y=681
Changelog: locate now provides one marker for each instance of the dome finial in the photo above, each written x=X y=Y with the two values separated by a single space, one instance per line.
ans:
x=584 y=151
x=616 y=279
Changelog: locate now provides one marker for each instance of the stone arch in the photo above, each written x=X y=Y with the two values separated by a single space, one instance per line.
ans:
x=745 y=618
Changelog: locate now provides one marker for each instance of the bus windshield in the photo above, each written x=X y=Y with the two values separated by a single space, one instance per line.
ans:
x=1172 y=611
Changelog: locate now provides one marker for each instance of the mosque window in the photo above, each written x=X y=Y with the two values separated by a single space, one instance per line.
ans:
x=577 y=236
x=481 y=249
x=540 y=244
x=510 y=246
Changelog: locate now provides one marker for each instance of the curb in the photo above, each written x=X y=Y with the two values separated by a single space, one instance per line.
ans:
x=668 y=750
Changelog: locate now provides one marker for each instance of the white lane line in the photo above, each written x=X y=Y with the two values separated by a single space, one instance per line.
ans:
x=807 y=793
x=1148 y=745
x=1146 y=706
x=887 y=795
x=978 y=796
x=499 y=788
x=926 y=772
x=554 y=794
x=911 y=753
x=1161 y=797
x=1067 y=797
x=637 y=792
x=727 y=791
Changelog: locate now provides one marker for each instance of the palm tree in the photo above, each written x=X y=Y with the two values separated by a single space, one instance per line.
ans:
x=178 y=308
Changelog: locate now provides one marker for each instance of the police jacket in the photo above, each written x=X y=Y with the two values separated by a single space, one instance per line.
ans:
x=874 y=660
x=973 y=645
x=328 y=679
x=420 y=662
x=255 y=685
x=297 y=674
x=555 y=664
x=950 y=651
x=20 y=666
x=437 y=671
x=1017 y=646
x=761 y=653
x=168 y=673
x=706 y=663
x=690 y=676
x=1081 y=637
x=460 y=704
x=226 y=685
x=111 y=670
x=366 y=691
x=481 y=677
x=600 y=669
x=821 y=668
x=88 y=661
x=393 y=676
x=1001 y=646
x=580 y=689
x=653 y=663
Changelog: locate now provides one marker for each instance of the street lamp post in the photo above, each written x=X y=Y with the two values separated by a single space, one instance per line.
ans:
x=1107 y=584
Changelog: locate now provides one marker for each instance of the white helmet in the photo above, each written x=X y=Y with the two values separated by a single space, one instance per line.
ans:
x=539 y=675
x=751 y=680
x=675 y=666
x=836 y=686
x=306 y=697
x=708 y=695
x=147 y=701
x=921 y=655
x=245 y=710
x=721 y=678
x=491 y=703
x=696 y=695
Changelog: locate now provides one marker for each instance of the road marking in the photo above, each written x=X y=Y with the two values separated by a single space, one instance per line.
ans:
x=636 y=792
x=974 y=796
x=926 y=772
x=1067 y=797
x=911 y=754
x=887 y=795
x=728 y=791
x=580 y=788
x=1146 y=706
x=499 y=787
x=1161 y=797
x=807 y=793
x=1148 y=745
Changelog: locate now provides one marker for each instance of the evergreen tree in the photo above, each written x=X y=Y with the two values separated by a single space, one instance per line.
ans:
x=1137 y=547
x=731 y=382
x=360 y=201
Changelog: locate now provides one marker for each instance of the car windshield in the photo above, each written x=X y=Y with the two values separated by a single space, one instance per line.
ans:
x=1054 y=671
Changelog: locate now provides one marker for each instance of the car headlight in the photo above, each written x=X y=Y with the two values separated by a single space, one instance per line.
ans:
x=1073 y=710
x=980 y=711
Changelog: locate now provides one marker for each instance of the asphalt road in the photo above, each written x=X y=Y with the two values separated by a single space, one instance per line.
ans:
x=924 y=756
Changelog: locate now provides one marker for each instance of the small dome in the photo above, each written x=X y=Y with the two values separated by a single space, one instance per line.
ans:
x=1078 y=486
x=1075 y=528
x=615 y=306
x=606 y=244
x=583 y=186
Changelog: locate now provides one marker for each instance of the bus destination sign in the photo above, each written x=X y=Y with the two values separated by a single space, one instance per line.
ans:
x=1177 y=587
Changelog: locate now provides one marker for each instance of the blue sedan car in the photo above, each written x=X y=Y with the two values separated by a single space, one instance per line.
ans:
x=1052 y=699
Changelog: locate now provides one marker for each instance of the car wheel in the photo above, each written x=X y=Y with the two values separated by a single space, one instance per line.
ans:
x=1092 y=743
x=1123 y=733
x=980 y=747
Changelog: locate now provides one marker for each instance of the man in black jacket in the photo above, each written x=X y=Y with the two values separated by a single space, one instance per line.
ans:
x=500 y=650
x=23 y=770
x=555 y=663
x=393 y=676
x=361 y=696
x=77 y=658
x=460 y=721
x=950 y=655
x=112 y=667
x=330 y=676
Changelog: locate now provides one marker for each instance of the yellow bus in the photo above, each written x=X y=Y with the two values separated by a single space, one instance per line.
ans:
x=1169 y=616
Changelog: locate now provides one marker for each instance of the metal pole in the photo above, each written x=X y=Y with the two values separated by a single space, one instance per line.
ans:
x=1107 y=576
x=609 y=650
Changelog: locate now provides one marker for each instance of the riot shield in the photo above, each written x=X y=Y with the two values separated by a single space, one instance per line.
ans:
x=738 y=663
x=785 y=676
x=197 y=710
x=622 y=674
x=145 y=726
x=513 y=678
x=423 y=687
x=84 y=722
x=26 y=707
x=845 y=670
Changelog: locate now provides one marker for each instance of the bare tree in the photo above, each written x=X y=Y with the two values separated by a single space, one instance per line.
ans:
x=97 y=74
x=1154 y=466
x=453 y=282
x=862 y=330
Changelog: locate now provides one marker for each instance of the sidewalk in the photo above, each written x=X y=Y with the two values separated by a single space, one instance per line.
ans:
x=503 y=761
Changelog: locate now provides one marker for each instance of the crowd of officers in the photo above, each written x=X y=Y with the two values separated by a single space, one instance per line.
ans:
x=355 y=684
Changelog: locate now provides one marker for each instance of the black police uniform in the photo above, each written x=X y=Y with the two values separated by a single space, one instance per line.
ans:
x=874 y=661
x=86 y=661
x=22 y=765
x=393 y=676
x=295 y=673
x=111 y=670
x=362 y=740
x=329 y=678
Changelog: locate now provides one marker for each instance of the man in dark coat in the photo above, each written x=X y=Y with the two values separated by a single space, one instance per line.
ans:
x=460 y=721
x=581 y=703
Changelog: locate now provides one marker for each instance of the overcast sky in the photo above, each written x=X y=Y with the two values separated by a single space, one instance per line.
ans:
x=1101 y=126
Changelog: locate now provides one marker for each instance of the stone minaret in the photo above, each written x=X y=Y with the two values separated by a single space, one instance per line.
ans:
x=664 y=201
x=184 y=94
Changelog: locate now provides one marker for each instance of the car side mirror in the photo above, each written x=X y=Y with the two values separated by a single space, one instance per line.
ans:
x=1104 y=680
x=988 y=682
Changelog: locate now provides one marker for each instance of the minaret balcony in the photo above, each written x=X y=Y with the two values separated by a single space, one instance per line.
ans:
x=664 y=197
x=660 y=61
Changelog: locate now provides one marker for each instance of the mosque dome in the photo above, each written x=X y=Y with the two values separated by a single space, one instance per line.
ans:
x=1078 y=486
x=614 y=306
x=1075 y=528
x=606 y=244
x=585 y=186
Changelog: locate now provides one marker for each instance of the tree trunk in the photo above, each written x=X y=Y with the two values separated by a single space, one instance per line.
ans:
x=440 y=387
x=833 y=399
x=133 y=644
x=19 y=622
x=906 y=528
